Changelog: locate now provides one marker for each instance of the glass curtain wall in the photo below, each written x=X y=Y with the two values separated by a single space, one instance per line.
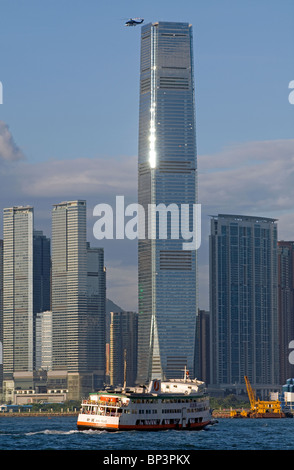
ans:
x=167 y=175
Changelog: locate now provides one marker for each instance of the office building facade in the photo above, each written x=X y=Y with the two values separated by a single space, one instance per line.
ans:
x=96 y=313
x=69 y=285
x=44 y=341
x=123 y=348
x=1 y=313
x=41 y=272
x=167 y=174
x=78 y=275
x=203 y=346
x=243 y=301
x=18 y=317
x=286 y=307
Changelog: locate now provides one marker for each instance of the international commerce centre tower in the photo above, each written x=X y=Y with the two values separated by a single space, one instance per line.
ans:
x=167 y=177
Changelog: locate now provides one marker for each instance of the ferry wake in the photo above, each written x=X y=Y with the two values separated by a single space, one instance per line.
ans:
x=175 y=404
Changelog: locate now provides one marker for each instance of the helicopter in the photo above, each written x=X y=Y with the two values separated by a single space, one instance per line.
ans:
x=134 y=21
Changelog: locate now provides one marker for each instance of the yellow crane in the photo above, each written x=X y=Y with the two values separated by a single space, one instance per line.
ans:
x=251 y=393
x=260 y=408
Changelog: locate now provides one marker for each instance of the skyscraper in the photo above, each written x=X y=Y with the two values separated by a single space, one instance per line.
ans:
x=167 y=175
x=96 y=313
x=69 y=286
x=1 y=313
x=18 y=320
x=26 y=289
x=44 y=341
x=123 y=348
x=78 y=301
x=285 y=306
x=42 y=272
x=203 y=345
x=243 y=301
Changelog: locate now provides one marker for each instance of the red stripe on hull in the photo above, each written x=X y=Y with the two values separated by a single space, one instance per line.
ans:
x=146 y=427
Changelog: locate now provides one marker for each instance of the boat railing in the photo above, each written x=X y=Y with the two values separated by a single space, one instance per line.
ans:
x=102 y=411
x=116 y=404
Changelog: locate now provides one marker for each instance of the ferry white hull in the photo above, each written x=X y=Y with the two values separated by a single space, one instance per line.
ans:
x=83 y=425
x=152 y=411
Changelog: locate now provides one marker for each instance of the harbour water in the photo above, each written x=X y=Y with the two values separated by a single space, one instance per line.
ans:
x=60 y=433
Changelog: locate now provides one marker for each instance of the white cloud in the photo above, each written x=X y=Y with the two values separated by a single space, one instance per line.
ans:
x=8 y=149
x=254 y=178
x=88 y=176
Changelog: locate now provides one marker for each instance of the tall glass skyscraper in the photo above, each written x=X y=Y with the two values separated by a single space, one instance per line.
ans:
x=18 y=317
x=243 y=301
x=1 y=309
x=42 y=272
x=167 y=174
x=96 y=313
x=123 y=348
x=69 y=286
x=286 y=306
x=26 y=289
x=78 y=301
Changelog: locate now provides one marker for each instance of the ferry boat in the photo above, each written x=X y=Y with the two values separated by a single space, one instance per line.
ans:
x=175 y=404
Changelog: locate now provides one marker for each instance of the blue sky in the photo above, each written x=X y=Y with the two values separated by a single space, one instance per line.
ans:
x=70 y=72
x=70 y=75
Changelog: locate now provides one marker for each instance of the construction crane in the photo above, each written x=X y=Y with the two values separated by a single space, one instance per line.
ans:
x=260 y=409
x=251 y=393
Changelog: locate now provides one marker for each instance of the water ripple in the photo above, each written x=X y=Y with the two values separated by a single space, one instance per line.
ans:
x=62 y=433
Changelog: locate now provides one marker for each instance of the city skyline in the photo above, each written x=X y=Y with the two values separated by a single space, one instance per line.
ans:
x=63 y=289
x=60 y=137
x=147 y=232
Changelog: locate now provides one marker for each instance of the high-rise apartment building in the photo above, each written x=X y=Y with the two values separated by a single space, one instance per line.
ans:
x=243 y=301
x=285 y=306
x=69 y=286
x=123 y=348
x=26 y=289
x=44 y=341
x=1 y=313
x=42 y=272
x=203 y=346
x=18 y=317
x=167 y=174
x=78 y=313
x=96 y=313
